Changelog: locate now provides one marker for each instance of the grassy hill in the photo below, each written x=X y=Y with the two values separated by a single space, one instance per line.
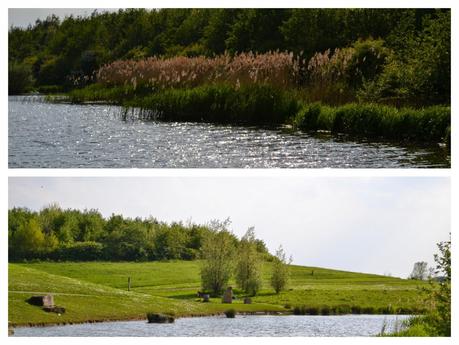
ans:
x=97 y=291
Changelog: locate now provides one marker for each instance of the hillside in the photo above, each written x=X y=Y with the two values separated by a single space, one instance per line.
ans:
x=97 y=291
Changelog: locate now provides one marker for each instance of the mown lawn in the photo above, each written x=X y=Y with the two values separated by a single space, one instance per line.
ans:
x=98 y=291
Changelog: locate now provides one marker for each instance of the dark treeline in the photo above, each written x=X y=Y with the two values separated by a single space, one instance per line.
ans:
x=73 y=235
x=415 y=56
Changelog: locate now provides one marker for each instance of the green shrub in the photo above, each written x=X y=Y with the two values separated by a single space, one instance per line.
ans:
x=230 y=313
x=78 y=251
x=378 y=121
x=19 y=78
x=160 y=318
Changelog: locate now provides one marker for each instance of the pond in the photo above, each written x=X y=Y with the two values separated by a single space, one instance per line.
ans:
x=220 y=326
x=49 y=135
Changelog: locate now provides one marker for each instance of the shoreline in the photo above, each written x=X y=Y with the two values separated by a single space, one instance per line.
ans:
x=68 y=323
x=301 y=123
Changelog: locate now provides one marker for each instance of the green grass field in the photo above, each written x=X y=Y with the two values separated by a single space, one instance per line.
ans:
x=97 y=291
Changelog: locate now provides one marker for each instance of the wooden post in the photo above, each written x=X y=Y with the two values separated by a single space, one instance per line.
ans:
x=129 y=283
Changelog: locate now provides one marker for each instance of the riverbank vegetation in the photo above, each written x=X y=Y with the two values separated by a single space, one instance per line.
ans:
x=437 y=319
x=253 y=66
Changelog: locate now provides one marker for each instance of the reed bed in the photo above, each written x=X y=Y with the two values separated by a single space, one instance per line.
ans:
x=344 y=309
x=431 y=124
x=223 y=103
x=273 y=68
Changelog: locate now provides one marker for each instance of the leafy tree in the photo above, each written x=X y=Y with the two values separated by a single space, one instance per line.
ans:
x=170 y=242
x=257 y=30
x=217 y=30
x=440 y=319
x=280 y=271
x=248 y=266
x=19 y=78
x=419 y=271
x=28 y=240
x=437 y=321
x=218 y=256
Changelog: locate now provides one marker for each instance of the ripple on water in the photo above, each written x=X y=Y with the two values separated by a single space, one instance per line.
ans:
x=67 y=136
x=322 y=326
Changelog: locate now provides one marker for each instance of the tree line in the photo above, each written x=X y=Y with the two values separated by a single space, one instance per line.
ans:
x=60 y=234
x=410 y=48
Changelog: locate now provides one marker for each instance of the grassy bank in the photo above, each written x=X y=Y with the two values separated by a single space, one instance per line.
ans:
x=262 y=104
x=97 y=291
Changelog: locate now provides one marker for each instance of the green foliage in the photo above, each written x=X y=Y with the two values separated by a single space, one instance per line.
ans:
x=159 y=318
x=28 y=240
x=254 y=104
x=415 y=72
x=19 y=78
x=372 y=120
x=335 y=76
x=280 y=271
x=218 y=260
x=437 y=321
x=256 y=30
x=78 y=251
x=230 y=313
x=420 y=72
x=62 y=235
x=248 y=265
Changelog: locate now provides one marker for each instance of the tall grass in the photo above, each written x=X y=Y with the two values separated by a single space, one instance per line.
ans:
x=249 y=104
x=373 y=120
x=274 y=68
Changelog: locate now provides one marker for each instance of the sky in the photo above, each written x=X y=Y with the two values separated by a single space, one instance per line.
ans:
x=377 y=225
x=22 y=17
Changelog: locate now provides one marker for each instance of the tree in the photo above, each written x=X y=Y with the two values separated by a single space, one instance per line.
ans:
x=440 y=319
x=419 y=271
x=19 y=78
x=28 y=240
x=248 y=267
x=280 y=273
x=218 y=254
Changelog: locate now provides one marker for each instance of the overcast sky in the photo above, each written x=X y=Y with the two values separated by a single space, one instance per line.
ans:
x=22 y=17
x=378 y=225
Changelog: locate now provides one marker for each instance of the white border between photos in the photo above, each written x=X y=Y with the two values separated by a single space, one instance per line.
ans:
x=5 y=172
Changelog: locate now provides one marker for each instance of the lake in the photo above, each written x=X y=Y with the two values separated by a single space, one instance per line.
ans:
x=220 y=326
x=56 y=135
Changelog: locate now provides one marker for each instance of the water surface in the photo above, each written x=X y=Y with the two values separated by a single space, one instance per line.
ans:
x=46 y=135
x=306 y=326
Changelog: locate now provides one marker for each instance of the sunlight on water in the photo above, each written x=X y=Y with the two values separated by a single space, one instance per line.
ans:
x=44 y=135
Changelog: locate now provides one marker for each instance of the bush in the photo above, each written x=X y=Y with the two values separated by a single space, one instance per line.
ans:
x=78 y=251
x=378 y=121
x=230 y=313
x=160 y=318
x=19 y=78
